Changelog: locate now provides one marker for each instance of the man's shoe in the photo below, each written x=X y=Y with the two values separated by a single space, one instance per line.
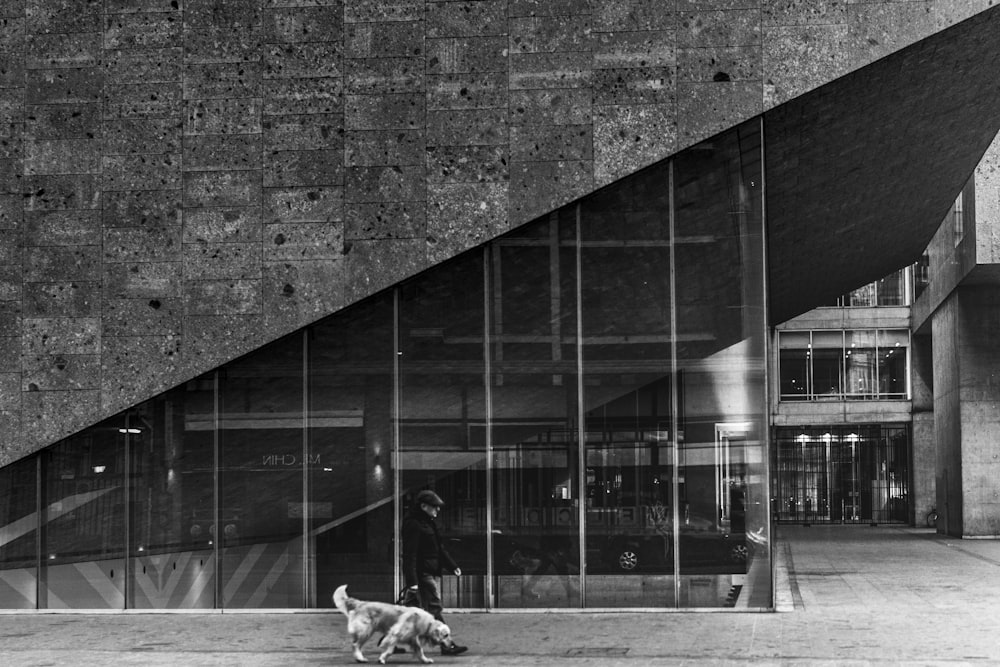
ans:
x=453 y=649
x=398 y=649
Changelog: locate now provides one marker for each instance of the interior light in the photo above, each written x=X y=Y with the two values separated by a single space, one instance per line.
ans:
x=99 y=469
x=132 y=431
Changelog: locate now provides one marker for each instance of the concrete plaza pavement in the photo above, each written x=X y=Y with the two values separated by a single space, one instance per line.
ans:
x=849 y=595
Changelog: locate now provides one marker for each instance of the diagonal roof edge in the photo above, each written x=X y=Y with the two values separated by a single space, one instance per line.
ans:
x=861 y=171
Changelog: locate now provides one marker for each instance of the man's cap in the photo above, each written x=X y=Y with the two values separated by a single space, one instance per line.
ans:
x=429 y=497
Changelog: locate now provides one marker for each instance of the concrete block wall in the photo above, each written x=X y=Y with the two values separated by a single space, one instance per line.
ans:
x=182 y=181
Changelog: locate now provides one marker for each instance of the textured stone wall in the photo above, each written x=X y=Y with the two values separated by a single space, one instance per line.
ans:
x=184 y=180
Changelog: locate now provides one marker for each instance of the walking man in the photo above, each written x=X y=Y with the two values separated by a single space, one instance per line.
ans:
x=424 y=558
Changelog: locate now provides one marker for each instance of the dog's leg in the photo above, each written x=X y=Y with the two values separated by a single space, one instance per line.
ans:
x=418 y=648
x=360 y=633
x=358 y=655
x=389 y=644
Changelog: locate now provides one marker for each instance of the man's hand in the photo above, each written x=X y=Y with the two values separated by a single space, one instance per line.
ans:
x=458 y=572
x=413 y=588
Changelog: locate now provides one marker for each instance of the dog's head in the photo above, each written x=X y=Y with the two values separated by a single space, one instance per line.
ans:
x=439 y=633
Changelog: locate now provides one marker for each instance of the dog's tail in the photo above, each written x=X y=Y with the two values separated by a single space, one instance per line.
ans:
x=343 y=601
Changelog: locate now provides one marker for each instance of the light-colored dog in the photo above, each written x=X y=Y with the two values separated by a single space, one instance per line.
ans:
x=401 y=625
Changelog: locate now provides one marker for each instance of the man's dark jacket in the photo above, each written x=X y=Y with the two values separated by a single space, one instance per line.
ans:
x=423 y=552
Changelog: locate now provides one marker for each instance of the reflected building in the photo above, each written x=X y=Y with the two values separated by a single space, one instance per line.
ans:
x=590 y=386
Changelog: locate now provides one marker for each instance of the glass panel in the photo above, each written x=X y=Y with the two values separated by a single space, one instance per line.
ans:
x=350 y=508
x=626 y=310
x=793 y=365
x=863 y=297
x=18 y=535
x=722 y=487
x=533 y=386
x=860 y=361
x=83 y=519
x=171 y=440
x=262 y=460
x=442 y=414
x=828 y=367
x=892 y=289
x=893 y=363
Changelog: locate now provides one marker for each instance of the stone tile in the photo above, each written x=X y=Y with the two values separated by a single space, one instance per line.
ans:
x=135 y=367
x=222 y=32
x=303 y=61
x=385 y=39
x=551 y=107
x=11 y=211
x=316 y=204
x=142 y=208
x=146 y=30
x=466 y=18
x=384 y=220
x=134 y=6
x=797 y=59
x=629 y=137
x=211 y=340
x=10 y=282
x=11 y=105
x=358 y=11
x=294 y=241
x=59 y=192
x=10 y=392
x=550 y=70
x=876 y=30
x=66 y=16
x=125 y=245
x=223 y=225
x=466 y=164
x=634 y=85
x=142 y=172
x=10 y=355
x=150 y=100
x=463 y=55
x=57 y=263
x=48 y=416
x=143 y=280
x=10 y=318
x=704 y=28
x=62 y=228
x=634 y=15
x=10 y=246
x=303 y=96
x=299 y=292
x=533 y=143
x=12 y=146
x=63 y=50
x=144 y=66
x=222 y=297
x=61 y=335
x=551 y=7
x=384 y=112
x=384 y=147
x=384 y=76
x=235 y=116
x=62 y=121
x=303 y=168
x=703 y=109
x=222 y=188
x=800 y=12
x=651 y=48
x=12 y=35
x=142 y=317
x=537 y=34
x=303 y=132
x=11 y=176
x=463 y=215
x=135 y=136
x=222 y=152
x=61 y=372
x=210 y=261
x=385 y=184
x=724 y=63
x=223 y=80
x=487 y=90
x=539 y=187
x=376 y=264
x=74 y=85
x=322 y=23
x=467 y=127
x=62 y=299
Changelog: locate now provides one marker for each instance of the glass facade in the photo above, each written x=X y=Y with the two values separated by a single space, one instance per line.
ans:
x=862 y=364
x=587 y=393
x=847 y=474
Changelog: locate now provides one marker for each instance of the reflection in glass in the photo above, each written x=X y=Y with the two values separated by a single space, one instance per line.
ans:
x=350 y=472
x=262 y=458
x=83 y=520
x=860 y=362
x=171 y=442
x=533 y=388
x=442 y=413
x=18 y=535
